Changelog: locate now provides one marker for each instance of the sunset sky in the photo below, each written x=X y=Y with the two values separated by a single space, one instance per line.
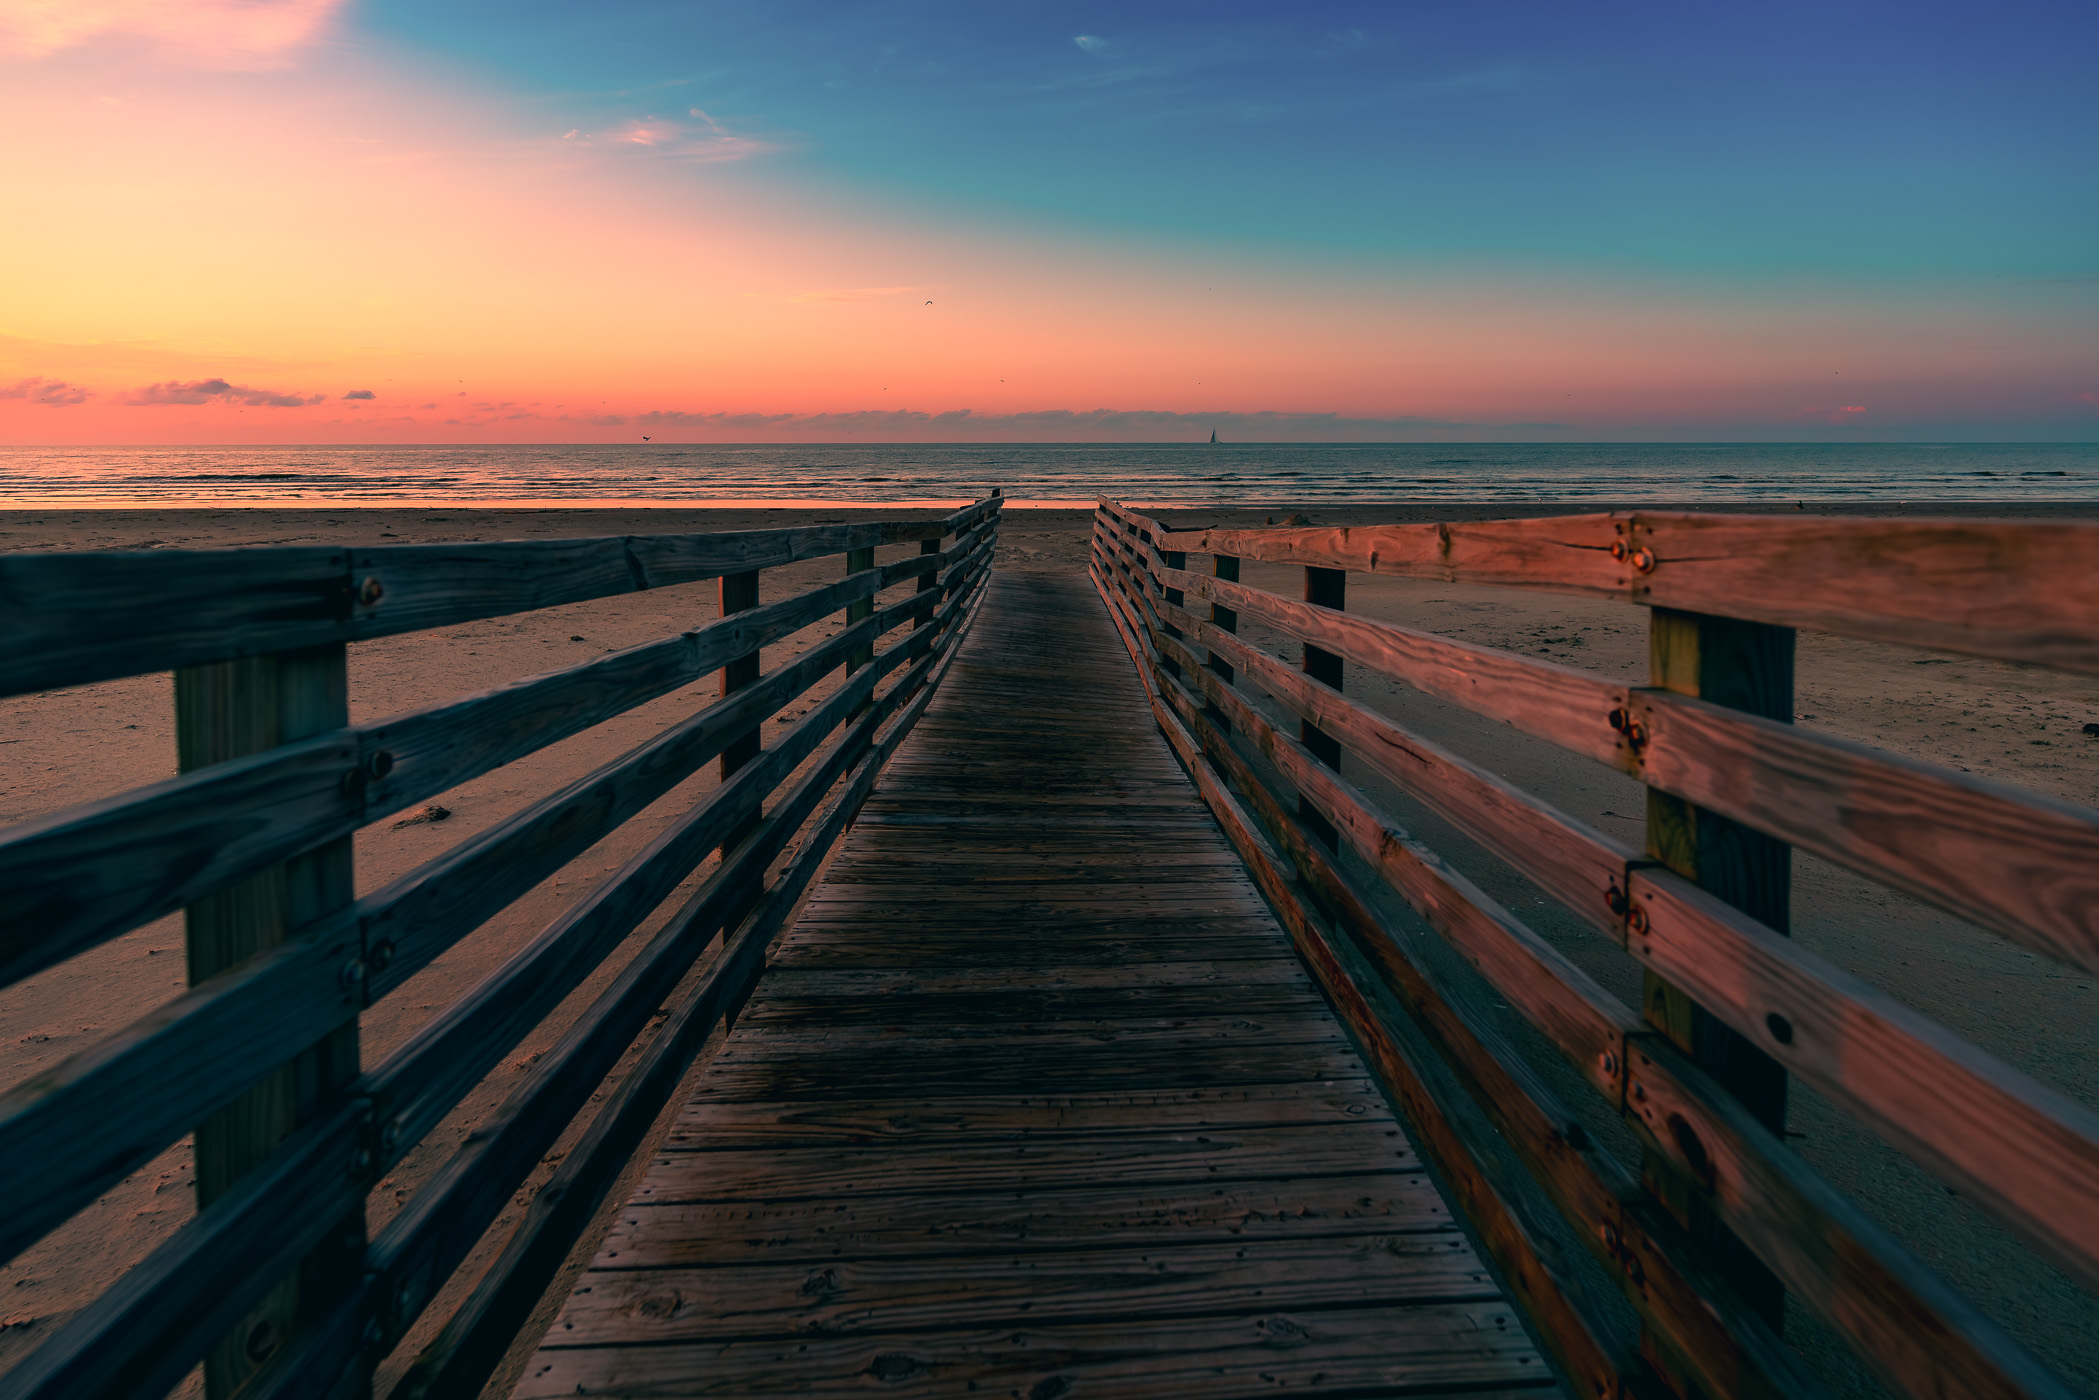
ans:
x=469 y=221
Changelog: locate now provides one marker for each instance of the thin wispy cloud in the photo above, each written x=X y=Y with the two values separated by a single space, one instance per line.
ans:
x=696 y=136
x=51 y=393
x=203 y=391
x=1092 y=43
x=217 y=33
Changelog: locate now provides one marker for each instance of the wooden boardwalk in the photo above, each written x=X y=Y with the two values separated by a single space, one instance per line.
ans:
x=1037 y=1101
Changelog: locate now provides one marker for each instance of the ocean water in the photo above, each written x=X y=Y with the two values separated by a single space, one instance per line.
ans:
x=1254 y=474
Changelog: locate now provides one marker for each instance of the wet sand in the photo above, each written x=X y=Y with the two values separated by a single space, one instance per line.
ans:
x=2011 y=723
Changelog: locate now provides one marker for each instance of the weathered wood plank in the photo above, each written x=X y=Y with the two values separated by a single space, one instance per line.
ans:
x=2017 y=591
x=2022 y=1151
x=143 y=1085
x=428 y=1240
x=1575 y=1325
x=1921 y=1336
x=1029 y=1161
x=2020 y=864
x=228 y=1255
x=735 y=1123
x=666 y=1235
x=1069 y=1070
x=418 y=1084
x=193 y=834
x=945 y=1074
x=1477 y=1348
x=71 y=617
x=851 y=1297
x=989 y=1005
x=1568 y=707
x=1572 y=861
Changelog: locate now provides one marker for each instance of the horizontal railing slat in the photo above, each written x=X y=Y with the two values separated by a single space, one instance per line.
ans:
x=420 y=1082
x=192 y=835
x=141 y=1336
x=2014 y=591
x=1730 y=1350
x=1565 y=706
x=131 y=1095
x=2019 y=864
x=67 y=618
x=1569 y=859
x=467 y=1350
x=412 y=919
x=2020 y=1151
x=1512 y=1225
x=2035 y=1166
x=138 y=1339
x=1921 y=1335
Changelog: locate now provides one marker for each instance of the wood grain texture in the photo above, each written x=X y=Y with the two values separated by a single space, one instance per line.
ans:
x=2019 y=864
x=474 y=1339
x=851 y=1297
x=2021 y=1151
x=1504 y=1208
x=1923 y=1338
x=2017 y=591
x=1572 y=861
x=1558 y=703
x=1731 y=1351
x=72 y=617
x=68 y=1134
x=159 y=1318
x=418 y=1084
x=808 y=1131
x=187 y=837
x=1463 y=1349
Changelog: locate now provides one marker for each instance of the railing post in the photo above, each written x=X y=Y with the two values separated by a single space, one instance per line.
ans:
x=1326 y=588
x=223 y=711
x=1744 y=666
x=739 y=592
x=927 y=581
x=1226 y=619
x=1173 y=559
x=855 y=561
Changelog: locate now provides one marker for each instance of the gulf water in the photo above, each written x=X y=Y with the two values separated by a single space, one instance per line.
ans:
x=1253 y=474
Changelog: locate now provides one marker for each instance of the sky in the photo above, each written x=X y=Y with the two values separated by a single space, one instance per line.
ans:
x=468 y=221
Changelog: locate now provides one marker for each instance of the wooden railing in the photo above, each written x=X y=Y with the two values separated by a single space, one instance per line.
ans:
x=1722 y=1220
x=273 y=1285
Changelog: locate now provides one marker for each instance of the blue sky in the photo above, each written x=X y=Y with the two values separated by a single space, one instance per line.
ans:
x=1708 y=138
x=1626 y=221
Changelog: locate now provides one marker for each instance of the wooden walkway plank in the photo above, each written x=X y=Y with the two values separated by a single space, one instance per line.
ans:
x=1036 y=1100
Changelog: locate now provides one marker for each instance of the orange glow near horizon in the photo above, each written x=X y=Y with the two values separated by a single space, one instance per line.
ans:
x=206 y=247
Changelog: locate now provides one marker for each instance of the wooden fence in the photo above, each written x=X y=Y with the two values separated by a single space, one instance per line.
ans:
x=1723 y=1220
x=274 y=1285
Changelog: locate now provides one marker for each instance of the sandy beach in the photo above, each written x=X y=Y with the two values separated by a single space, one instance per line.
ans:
x=2009 y=723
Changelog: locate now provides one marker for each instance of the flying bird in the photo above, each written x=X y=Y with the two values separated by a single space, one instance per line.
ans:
x=929 y=303
x=644 y=437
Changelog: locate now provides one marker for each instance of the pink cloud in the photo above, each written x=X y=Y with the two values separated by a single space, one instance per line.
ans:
x=201 y=391
x=51 y=393
x=695 y=137
x=218 y=33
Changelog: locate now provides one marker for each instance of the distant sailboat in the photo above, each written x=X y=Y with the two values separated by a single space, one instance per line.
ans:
x=1213 y=437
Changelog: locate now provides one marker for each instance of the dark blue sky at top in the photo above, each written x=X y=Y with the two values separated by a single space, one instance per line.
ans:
x=1708 y=139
